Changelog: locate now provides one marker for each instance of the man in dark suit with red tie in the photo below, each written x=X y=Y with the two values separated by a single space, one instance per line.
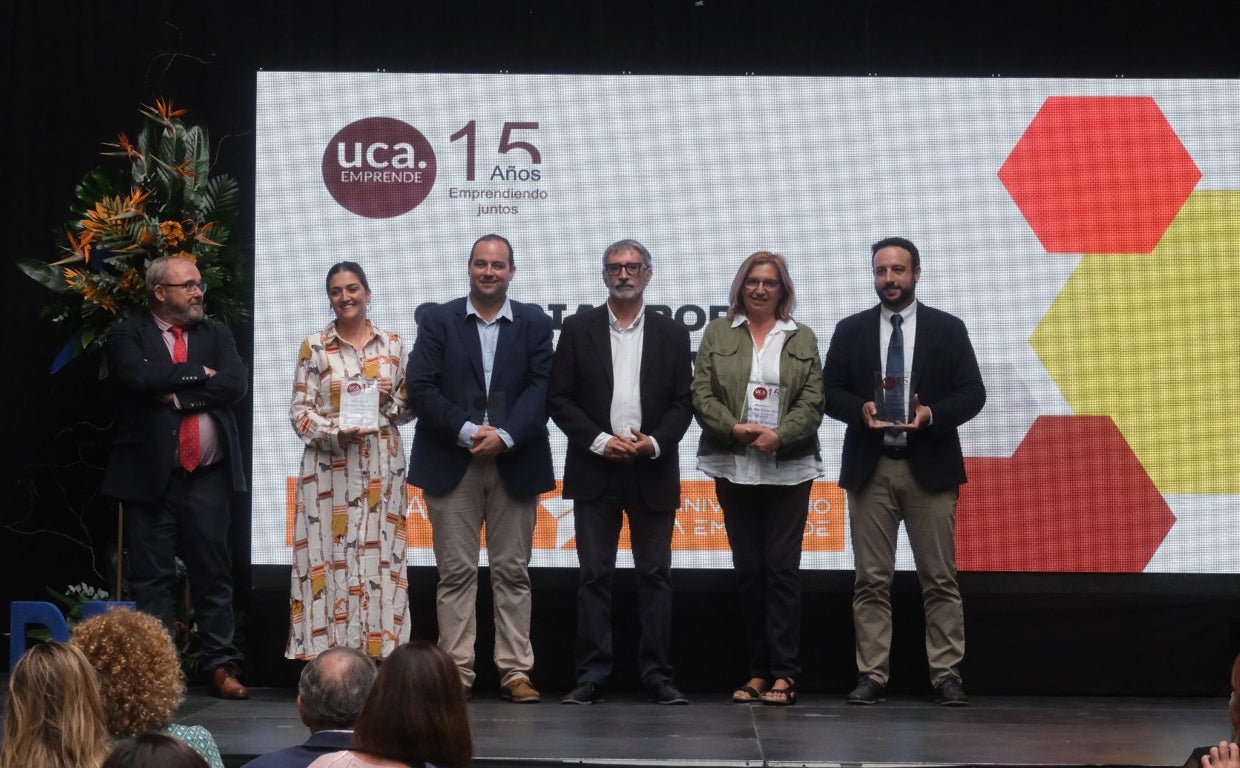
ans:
x=903 y=376
x=176 y=458
x=620 y=392
x=477 y=381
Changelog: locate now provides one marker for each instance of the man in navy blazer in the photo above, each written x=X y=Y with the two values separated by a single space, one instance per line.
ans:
x=620 y=392
x=330 y=695
x=176 y=458
x=477 y=380
x=905 y=468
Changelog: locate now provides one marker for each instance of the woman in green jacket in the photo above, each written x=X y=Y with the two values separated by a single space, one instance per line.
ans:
x=758 y=394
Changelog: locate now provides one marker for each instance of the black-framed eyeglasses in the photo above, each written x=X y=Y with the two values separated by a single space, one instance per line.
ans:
x=188 y=286
x=634 y=268
x=753 y=284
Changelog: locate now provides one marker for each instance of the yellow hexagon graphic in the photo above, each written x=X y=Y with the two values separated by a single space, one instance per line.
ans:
x=1153 y=341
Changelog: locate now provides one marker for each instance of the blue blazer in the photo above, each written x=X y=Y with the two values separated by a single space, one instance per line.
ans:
x=582 y=384
x=944 y=376
x=447 y=388
x=144 y=451
x=302 y=755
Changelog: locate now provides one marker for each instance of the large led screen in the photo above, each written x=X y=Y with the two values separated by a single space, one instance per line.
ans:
x=1086 y=231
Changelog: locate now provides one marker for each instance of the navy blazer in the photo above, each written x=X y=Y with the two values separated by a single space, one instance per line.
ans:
x=302 y=755
x=447 y=387
x=580 y=403
x=944 y=376
x=144 y=451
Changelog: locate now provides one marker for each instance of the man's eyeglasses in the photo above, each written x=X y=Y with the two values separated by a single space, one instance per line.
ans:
x=188 y=286
x=632 y=269
x=754 y=284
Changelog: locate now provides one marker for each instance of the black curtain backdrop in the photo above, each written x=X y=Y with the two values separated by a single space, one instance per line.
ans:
x=73 y=74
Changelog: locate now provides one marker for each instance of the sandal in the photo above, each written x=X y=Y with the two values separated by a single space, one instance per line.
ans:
x=747 y=694
x=781 y=697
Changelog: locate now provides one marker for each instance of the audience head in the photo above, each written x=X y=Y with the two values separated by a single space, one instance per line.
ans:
x=333 y=689
x=416 y=712
x=53 y=716
x=139 y=671
x=154 y=750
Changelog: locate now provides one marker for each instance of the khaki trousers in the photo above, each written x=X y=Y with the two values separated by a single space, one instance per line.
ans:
x=874 y=515
x=457 y=519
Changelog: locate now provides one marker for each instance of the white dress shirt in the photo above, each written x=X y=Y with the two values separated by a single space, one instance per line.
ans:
x=626 y=368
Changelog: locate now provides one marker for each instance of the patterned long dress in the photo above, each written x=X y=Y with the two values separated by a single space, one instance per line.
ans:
x=349 y=585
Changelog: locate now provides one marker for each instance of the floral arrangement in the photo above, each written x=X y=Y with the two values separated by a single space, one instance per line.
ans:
x=75 y=597
x=166 y=203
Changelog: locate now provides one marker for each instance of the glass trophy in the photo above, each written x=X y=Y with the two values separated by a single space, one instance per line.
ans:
x=889 y=398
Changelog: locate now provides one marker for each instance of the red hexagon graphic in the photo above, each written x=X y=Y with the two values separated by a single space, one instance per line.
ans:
x=1073 y=498
x=1099 y=174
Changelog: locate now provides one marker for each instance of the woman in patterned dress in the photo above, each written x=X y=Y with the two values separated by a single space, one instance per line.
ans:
x=349 y=586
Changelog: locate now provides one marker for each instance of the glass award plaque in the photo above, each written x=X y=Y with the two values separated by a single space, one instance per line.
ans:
x=889 y=398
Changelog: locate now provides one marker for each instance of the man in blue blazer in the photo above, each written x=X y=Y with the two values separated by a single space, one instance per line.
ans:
x=620 y=392
x=330 y=695
x=477 y=380
x=905 y=465
x=176 y=458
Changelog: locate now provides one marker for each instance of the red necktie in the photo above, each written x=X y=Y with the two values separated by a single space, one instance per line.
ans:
x=190 y=449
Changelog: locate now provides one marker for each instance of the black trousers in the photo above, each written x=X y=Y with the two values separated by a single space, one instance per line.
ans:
x=194 y=515
x=766 y=529
x=597 y=522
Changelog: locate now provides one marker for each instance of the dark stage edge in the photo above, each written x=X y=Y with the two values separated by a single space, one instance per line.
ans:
x=821 y=730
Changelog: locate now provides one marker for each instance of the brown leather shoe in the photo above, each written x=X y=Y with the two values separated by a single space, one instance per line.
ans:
x=521 y=691
x=226 y=684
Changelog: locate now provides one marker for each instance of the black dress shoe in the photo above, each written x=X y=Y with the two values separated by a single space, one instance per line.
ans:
x=586 y=693
x=951 y=692
x=666 y=693
x=868 y=691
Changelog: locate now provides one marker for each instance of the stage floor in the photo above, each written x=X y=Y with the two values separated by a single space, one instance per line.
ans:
x=821 y=730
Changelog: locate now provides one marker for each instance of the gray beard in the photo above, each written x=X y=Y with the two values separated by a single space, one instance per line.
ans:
x=189 y=316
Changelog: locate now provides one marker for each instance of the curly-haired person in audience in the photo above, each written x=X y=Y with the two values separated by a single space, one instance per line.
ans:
x=415 y=717
x=140 y=678
x=53 y=717
x=154 y=750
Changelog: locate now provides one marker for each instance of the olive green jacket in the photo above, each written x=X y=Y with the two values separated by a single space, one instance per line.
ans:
x=721 y=379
